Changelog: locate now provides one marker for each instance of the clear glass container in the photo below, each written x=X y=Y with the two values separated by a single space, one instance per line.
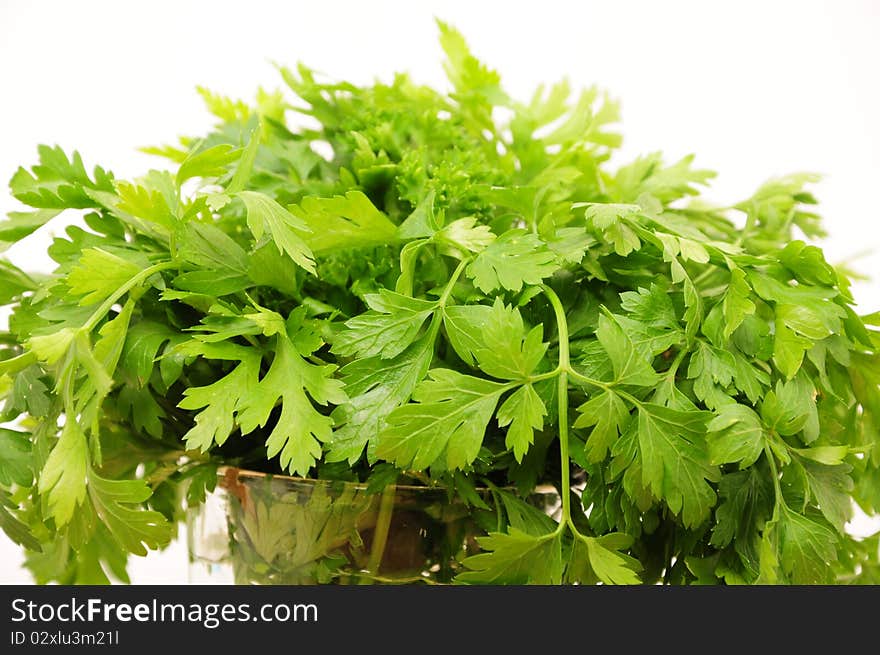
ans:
x=261 y=529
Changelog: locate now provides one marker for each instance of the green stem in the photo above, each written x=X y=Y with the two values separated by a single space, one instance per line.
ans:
x=705 y=275
x=452 y=280
x=380 y=533
x=673 y=369
x=777 y=488
x=564 y=368
x=135 y=280
x=544 y=376
x=606 y=386
x=588 y=380
x=563 y=447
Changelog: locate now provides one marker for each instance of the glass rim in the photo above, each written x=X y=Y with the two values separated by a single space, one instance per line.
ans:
x=225 y=471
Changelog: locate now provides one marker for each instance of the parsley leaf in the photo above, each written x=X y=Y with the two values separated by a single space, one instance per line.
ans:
x=515 y=258
x=447 y=420
x=391 y=325
x=266 y=215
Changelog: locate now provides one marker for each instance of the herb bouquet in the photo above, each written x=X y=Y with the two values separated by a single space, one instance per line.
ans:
x=446 y=291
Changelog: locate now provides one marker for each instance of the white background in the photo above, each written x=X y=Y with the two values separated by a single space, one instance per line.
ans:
x=754 y=88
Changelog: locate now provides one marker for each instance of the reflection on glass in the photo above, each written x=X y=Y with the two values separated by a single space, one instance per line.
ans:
x=261 y=529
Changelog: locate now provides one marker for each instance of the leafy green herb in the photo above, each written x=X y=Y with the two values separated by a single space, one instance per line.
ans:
x=464 y=294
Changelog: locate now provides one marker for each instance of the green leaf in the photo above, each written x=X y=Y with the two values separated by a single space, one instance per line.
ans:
x=245 y=164
x=652 y=307
x=50 y=348
x=100 y=363
x=791 y=408
x=631 y=367
x=808 y=548
x=467 y=74
x=13 y=282
x=514 y=259
x=524 y=412
x=391 y=325
x=610 y=416
x=570 y=244
x=601 y=216
x=375 y=386
x=142 y=343
x=409 y=257
x=29 y=393
x=154 y=198
x=831 y=487
x=504 y=349
x=286 y=230
x=675 y=461
x=465 y=325
x=449 y=417
x=57 y=183
x=609 y=223
x=648 y=175
x=21 y=224
x=829 y=455
x=207 y=246
x=735 y=435
x=736 y=304
x=15 y=458
x=747 y=502
x=523 y=516
x=599 y=559
x=748 y=378
x=421 y=223
x=63 y=478
x=692 y=251
x=343 y=222
x=267 y=267
x=16 y=530
x=214 y=283
x=465 y=233
x=211 y=162
x=300 y=428
x=805 y=322
x=99 y=274
x=808 y=264
x=138 y=404
x=242 y=398
x=220 y=401
x=712 y=370
x=515 y=558
x=788 y=350
x=117 y=503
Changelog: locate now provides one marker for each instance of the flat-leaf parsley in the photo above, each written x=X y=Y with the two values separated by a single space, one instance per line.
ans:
x=444 y=288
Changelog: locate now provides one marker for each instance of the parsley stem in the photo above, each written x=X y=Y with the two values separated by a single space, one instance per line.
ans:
x=777 y=488
x=135 y=280
x=563 y=447
x=452 y=280
x=705 y=275
x=673 y=369
x=544 y=376
x=588 y=380
x=380 y=532
x=562 y=400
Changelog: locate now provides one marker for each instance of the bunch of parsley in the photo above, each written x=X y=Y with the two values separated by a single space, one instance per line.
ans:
x=457 y=291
